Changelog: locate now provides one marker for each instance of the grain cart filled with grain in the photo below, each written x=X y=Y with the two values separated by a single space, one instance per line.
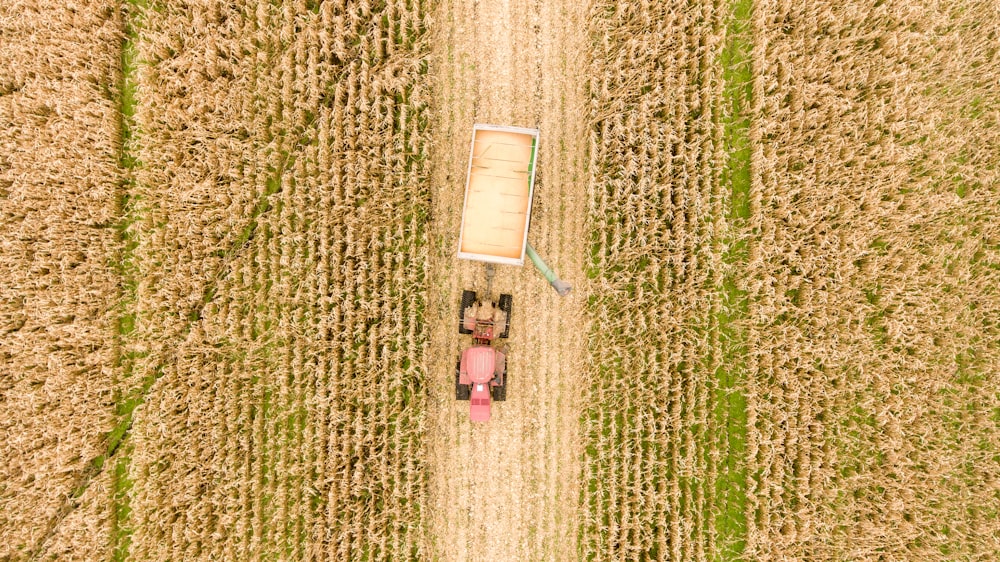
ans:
x=498 y=191
x=494 y=230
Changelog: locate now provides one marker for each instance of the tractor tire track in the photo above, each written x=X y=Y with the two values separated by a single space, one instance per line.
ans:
x=509 y=489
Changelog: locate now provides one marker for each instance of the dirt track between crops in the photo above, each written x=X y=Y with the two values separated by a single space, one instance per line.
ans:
x=509 y=489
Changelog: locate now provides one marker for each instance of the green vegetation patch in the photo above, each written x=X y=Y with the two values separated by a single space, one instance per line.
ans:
x=118 y=450
x=729 y=401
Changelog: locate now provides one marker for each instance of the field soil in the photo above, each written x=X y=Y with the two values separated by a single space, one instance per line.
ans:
x=509 y=489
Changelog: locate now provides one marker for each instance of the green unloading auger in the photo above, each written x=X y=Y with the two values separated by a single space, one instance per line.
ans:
x=561 y=287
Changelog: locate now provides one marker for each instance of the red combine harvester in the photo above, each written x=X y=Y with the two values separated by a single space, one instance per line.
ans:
x=481 y=370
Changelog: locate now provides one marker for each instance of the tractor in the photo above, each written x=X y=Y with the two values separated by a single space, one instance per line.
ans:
x=495 y=218
x=481 y=370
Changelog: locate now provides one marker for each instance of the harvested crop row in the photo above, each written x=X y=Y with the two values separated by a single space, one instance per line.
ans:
x=652 y=460
x=873 y=283
x=285 y=195
x=509 y=489
x=59 y=182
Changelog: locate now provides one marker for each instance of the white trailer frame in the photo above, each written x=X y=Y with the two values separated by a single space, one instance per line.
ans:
x=494 y=201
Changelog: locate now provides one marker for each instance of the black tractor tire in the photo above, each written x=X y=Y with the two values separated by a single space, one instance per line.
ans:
x=506 y=302
x=500 y=392
x=468 y=297
x=462 y=391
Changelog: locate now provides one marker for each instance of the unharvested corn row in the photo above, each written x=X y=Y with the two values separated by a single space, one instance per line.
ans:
x=655 y=194
x=872 y=338
x=283 y=312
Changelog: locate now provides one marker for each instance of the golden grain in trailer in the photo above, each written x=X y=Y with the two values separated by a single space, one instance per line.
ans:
x=498 y=191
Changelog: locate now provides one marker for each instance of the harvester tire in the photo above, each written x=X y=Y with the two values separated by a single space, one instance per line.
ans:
x=500 y=392
x=462 y=391
x=506 y=302
x=468 y=297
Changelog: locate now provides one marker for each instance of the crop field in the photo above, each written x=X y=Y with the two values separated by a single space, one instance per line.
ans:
x=872 y=281
x=653 y=459
x=278 y=226
x=59 y=287
x=229 y=290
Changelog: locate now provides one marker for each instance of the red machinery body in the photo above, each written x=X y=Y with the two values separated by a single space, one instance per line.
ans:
x=481 y=371
x=478 y=369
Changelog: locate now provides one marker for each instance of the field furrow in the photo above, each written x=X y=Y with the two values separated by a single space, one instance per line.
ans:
x=508 y=489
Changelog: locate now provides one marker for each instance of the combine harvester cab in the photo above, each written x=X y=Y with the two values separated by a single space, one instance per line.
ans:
x=495 y=219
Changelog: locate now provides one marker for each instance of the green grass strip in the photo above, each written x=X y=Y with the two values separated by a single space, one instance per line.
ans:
x=125 y=401
x=729 y=401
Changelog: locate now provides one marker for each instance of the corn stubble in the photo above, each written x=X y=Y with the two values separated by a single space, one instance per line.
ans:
x=279 y=314
x=873 y=331
x=58 y=284
x=657 y=212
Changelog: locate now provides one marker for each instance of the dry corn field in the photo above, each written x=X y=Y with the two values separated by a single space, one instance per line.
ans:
x=229 y=290
x=874 y=261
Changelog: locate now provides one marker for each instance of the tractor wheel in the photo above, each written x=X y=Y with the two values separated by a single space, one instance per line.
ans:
x=468 y=297
x=462 y=391
x=506 y=302
x=500 y=392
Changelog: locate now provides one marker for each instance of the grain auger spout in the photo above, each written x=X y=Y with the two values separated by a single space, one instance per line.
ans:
x=561 y=287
